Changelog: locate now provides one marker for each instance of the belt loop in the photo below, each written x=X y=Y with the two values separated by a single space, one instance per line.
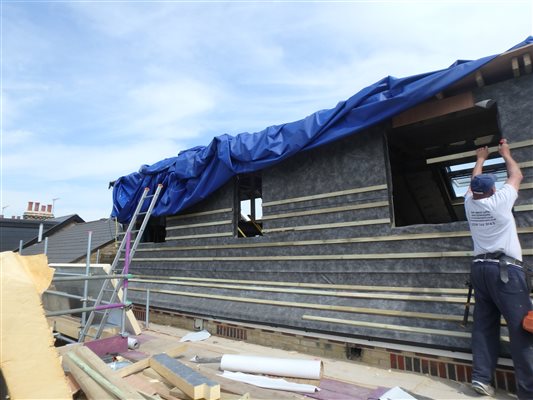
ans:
x=504 y=273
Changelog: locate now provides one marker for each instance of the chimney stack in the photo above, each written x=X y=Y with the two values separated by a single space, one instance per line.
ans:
x=38 y=211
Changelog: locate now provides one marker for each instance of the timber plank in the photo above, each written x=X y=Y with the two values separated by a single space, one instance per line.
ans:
x=186 y=379
x=90 y=387
x=95 y=362
x=145 y=363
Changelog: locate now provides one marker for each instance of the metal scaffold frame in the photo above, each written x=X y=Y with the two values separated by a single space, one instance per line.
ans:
x=116 y=279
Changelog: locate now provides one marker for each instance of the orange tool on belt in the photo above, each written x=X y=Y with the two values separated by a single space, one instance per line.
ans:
x=527 y=323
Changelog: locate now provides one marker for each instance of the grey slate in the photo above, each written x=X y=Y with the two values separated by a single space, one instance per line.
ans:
x=69 y=243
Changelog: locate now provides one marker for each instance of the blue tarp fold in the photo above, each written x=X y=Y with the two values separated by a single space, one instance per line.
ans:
x=197 y=172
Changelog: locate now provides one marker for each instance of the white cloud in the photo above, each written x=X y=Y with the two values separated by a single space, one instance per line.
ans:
x=92 y=90
x=161 y=107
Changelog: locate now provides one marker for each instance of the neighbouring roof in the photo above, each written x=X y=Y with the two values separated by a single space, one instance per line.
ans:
x=195 y=173
x=12 y=230
x=69 y=243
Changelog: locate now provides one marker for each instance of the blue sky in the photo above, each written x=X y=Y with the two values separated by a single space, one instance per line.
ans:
x=91 y=90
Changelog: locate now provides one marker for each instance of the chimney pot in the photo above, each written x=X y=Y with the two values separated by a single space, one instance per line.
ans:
x=30 y=205
x=37 y=204
x=43 y=208
x=49 y=209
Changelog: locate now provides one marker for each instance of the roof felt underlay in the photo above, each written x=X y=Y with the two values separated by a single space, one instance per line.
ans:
x=197 y=172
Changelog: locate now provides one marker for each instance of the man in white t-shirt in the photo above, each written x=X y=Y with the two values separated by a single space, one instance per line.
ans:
x=497 y=276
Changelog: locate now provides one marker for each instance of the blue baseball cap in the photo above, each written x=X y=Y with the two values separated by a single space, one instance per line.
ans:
x=482 y=184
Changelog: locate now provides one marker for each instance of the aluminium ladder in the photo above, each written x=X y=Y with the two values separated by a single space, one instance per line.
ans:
x=109 y=291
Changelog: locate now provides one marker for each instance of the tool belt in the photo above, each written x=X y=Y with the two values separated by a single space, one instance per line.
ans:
x=504 y=261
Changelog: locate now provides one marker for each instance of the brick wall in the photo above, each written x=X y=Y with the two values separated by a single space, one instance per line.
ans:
x=442 y=367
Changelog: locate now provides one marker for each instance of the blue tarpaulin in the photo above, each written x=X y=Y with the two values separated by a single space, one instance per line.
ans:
x=197 y=172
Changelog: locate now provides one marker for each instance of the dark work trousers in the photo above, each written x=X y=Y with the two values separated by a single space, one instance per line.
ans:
x=495 y=298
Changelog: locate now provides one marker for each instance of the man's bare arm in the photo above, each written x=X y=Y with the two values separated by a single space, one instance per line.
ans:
x=514 y=174
x=482 y=154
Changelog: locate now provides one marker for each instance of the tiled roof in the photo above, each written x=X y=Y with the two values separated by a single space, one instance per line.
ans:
x=70 y=243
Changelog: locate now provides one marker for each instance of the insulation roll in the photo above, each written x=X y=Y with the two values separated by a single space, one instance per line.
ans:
x=133 y=343
x=294 y=368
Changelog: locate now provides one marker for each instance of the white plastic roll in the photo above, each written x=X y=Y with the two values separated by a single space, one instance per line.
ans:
x=133 y=343
x=294 y=368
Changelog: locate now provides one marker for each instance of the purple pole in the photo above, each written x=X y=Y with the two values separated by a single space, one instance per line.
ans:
x=127 y=256
x=107 y=306
x=125 y=282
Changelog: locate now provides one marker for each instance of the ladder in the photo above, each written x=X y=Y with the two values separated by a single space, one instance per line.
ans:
x=108 y=295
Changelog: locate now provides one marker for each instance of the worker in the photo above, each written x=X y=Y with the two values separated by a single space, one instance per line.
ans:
x=497 y=275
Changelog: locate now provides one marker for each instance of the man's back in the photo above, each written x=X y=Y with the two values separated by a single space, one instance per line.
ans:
x=492 y=223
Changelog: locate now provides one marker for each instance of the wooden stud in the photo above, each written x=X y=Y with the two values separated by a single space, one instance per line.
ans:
x=527 y=63
x=515 y=67
x=479 y=79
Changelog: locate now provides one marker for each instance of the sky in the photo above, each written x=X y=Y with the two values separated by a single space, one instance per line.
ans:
x=92 y=90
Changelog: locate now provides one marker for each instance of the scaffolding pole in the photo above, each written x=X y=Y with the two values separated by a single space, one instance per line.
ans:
x=91 y=277
x=87 y=274
x=85 y=309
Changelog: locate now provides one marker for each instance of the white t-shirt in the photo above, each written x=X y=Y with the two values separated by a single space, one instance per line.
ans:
x=492 y=223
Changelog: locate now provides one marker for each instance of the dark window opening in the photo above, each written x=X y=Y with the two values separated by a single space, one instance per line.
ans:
x=431 y=163
x=155 y=230
x=248 y=205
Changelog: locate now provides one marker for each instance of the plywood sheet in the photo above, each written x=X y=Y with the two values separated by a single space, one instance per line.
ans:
x=27 y=344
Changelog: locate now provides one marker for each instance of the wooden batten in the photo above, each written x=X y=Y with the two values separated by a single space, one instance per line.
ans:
x=434 y=108
x=472 y=154
x=312 y=306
